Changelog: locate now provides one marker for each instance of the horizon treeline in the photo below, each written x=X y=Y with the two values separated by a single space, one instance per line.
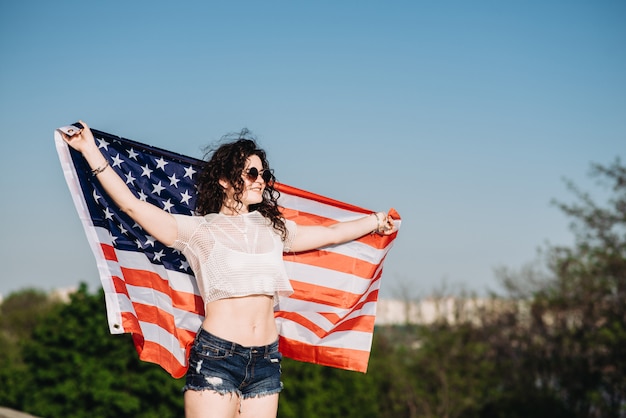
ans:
x=553 y=344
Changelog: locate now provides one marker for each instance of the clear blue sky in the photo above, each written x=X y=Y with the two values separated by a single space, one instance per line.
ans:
x=464 y=116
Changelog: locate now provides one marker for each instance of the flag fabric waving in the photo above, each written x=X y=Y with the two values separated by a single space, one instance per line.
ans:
x=150 y=291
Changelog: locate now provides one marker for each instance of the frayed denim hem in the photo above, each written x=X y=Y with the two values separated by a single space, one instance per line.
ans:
x=261 y=394
x=233 y=391
x=218 y=391
x=237 y=392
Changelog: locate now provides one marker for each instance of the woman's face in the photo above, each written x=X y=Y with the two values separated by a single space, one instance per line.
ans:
x=253 y=188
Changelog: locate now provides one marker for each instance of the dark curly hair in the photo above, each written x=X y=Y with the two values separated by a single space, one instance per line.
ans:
x=228 y=162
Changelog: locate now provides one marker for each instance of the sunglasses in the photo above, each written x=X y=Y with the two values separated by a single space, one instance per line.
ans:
x=253 y=173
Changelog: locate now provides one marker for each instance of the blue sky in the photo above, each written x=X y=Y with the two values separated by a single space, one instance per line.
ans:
x=464 y=116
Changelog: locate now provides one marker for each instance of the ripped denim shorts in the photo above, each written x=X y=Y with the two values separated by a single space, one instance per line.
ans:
x=226 y=367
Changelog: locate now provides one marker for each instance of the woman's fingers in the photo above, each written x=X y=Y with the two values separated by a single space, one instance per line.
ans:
x=80 y=139
x=389 y=226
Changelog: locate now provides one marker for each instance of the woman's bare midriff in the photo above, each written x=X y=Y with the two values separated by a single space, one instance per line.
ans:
x=247 y=320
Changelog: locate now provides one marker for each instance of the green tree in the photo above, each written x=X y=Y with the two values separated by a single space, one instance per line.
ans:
x=79 y=370
x=452 y=373
x=516 y=354
x=573 y=342
x=22 y=311
x=391 y=357
x=19 y=314
x=586 y=301
x=313 y=391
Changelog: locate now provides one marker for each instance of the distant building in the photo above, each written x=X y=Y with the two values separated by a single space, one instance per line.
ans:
x=63 y=294
x=427 y=311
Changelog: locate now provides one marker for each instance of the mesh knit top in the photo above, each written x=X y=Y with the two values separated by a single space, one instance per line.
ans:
x=235 y=256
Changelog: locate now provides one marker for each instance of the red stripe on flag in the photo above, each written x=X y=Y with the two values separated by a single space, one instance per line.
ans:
x=109 y=252
x=301 y=320
x=338 y=298
x=305 y=218
x=344 y=358
x=334 y=318
x=130 y=323
x=364 y=323
x=120 y=286
x=156 y=353
x=181 y=300
x=155 y=315
x=324 y=295
x=283 y=188
x=333 y=261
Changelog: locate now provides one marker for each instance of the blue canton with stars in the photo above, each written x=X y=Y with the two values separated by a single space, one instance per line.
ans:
x=154 y=175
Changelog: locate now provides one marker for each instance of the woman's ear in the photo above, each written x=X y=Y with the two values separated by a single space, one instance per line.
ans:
x=224 y=183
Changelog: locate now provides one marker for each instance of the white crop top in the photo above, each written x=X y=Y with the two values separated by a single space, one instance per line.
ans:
x=234 y=256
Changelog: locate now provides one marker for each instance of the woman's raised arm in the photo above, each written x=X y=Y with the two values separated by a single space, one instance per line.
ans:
x=155 y=221
x=311 y=237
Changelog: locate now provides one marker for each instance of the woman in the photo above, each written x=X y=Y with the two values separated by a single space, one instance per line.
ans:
x=234 y=246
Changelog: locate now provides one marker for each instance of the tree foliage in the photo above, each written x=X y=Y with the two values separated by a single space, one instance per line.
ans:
x=583 y=310
x=19 y=314
x=76 y=369
x=572 y=346
x=317 y=391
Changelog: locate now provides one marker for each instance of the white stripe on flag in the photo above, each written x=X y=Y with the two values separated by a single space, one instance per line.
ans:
x=320 y=276
x=354 y=340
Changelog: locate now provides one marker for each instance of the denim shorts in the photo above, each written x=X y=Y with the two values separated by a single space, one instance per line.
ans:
x=226 y=367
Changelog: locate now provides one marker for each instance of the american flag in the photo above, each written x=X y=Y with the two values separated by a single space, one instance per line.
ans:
x=150 y=290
